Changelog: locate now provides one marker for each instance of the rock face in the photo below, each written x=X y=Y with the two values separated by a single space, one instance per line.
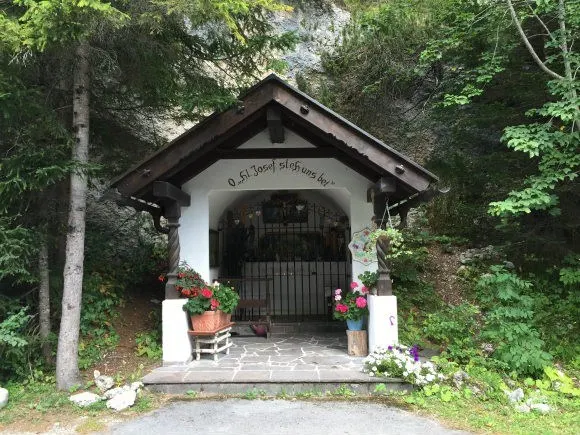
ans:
x=3 y=397
x=113 y=392
x=136 y=386
x=458 y=378
x=122 y=401
x=516 y=395
x=478 y=254
x=85 y=399
x=318 y=26
x=541 y=407
x=103 y=382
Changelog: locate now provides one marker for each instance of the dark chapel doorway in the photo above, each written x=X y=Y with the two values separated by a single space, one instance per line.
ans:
x=291 y=246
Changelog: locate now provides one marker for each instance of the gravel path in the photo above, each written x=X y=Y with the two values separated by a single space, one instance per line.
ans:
x=277 y=417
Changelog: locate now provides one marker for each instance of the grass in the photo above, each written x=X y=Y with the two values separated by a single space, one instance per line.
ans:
x=36 y=407
x=475 y=415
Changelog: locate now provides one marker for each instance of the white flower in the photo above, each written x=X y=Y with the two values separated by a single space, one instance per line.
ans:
x=337 y=298
x=430 y=377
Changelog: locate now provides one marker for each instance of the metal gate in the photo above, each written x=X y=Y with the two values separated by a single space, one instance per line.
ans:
x=290 y=251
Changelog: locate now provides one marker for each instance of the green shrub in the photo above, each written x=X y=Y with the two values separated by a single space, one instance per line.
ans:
x=510 y=323
x=149 y=344
x=20 y=355
x=13 y=343
x=455 y=330
x=101 y=299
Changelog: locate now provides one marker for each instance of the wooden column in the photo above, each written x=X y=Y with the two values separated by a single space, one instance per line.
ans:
x=384 y=284
x=172 y=199
x=173 y=253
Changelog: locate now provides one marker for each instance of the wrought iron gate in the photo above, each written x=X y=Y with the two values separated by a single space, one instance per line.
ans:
x=293 y=248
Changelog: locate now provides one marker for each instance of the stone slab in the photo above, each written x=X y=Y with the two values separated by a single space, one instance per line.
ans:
x=295 y=376
x=209 y=376
x=252 y=376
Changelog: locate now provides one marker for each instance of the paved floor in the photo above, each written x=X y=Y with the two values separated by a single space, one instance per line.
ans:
x=279 y=417
x=285 y=358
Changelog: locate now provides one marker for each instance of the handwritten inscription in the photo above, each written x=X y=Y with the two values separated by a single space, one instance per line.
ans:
x=392 y=320
x=296 y=167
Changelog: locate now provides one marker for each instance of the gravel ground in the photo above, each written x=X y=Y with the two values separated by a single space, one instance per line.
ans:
x=245 y=417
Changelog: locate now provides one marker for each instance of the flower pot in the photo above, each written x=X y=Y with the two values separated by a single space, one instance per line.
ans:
x=208 y=321
x=354 y=325
x=225 y=318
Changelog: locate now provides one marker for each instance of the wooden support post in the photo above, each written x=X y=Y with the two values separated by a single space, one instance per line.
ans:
x=357 y=343
x=275 y=126
x=384 y=284
x=172 y=213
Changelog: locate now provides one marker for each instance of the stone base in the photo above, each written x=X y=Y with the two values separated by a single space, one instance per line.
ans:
x=383 y=322
x=177 y=348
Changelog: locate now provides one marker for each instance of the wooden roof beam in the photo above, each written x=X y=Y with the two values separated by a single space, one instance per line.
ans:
x=390 y=164
x=167 y=191
x=275 y=126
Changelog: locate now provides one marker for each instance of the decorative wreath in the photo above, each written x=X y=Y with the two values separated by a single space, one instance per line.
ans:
x=360 y=247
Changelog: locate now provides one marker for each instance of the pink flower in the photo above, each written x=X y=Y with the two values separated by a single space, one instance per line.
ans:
x=361 y=302
x=337 y=291
x=353 y=285
x=341 y=308
x=214 y=304
x=364 y=289
x=206 y=293
x=337 y=297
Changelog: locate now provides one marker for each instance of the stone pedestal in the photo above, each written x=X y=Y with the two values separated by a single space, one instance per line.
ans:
x=177 y=348
x=383 y=321
x=357 y=343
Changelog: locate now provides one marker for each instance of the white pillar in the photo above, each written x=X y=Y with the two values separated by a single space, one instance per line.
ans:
x=177 y=349
x=383 y=321
x=194 y=232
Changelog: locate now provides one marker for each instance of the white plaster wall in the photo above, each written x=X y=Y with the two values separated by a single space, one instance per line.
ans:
x=229 y=179
x=329 y=177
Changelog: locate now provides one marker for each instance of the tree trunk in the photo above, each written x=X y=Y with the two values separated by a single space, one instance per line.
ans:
x=67 y=371
x=44 y=300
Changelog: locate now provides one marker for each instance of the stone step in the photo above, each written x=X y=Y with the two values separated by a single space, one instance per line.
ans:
x=251 y=382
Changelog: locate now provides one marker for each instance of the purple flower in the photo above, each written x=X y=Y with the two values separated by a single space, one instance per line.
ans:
x=390 y=347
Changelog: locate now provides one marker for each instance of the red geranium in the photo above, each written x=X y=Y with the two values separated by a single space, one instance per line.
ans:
x=206 y=293
x=351 y=305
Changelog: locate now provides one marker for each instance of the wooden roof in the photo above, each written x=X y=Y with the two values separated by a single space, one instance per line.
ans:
x=273 y=103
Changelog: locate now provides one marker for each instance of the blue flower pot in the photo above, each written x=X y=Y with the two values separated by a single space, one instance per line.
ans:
x=355 y=325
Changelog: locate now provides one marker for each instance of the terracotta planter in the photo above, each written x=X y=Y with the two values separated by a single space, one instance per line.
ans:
x=226 y=318
x=208 y=321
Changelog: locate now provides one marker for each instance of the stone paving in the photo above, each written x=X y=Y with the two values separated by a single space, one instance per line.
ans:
x=285 y=358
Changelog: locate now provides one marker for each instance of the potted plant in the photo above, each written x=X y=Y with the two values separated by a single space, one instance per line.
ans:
x=227 y=298
x=369 y=281
x=351 y=306
x=207 y=305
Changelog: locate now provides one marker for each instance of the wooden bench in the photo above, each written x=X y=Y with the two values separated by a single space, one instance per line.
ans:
x=259 y=303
